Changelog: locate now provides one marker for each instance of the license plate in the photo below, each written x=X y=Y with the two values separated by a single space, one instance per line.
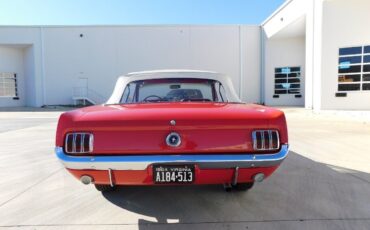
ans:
x=167 y=174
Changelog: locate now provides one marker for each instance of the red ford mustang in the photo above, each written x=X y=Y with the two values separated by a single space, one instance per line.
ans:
x=172 y=127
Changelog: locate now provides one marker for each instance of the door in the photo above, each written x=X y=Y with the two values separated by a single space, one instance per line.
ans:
x=288 y=86
x=81 y=87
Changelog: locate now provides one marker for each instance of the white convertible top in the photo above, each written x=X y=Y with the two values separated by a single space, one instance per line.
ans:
x=178 y=73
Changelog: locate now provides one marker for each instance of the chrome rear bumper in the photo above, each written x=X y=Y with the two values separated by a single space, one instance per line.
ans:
x=204 y=161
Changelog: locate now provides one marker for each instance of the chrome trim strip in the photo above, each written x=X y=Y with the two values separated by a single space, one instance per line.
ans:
x=254 y=139
x=82 y=143
x=74 y=143
x=212 y=161
x=91 y=143
x=270 y=139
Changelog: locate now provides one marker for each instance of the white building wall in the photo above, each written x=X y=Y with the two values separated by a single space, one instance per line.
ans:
x=29 y=37
x=313 y=35
x=218 y=49
x=344 y=24
x=309 y=39
x=30 y=77
x=55 y=60
x=287 y=52
x=11 y=61
x=104 y=53
x=284 y=16
x=250 y=64
x=69 y=58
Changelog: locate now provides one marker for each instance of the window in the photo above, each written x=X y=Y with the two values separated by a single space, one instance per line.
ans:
x=173 y=90
x=287 y=80
x=8 y=85
x=354 y=68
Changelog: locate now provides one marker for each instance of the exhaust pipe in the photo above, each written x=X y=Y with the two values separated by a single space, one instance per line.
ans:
x=259 y=177
x=85 y=179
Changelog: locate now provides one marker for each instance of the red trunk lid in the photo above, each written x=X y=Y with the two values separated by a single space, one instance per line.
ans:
x=143 y=128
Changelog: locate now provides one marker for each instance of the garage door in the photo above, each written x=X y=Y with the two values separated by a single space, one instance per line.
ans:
x=288 y=86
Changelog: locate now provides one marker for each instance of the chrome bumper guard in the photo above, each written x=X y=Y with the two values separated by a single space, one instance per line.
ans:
x=204 y=161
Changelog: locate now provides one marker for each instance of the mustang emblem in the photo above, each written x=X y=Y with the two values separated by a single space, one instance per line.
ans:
x=173 y=139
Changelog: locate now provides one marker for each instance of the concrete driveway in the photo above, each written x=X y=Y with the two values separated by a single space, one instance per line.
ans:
x=324 y=184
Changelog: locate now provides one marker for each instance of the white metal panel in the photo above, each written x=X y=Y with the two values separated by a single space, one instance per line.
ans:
x=250 y=64
x=54 y=56
x=11 y=62
x=29 y=39
x=285 y=16
x=104 y=53
x=217 y=49
x=283 y=53
x=344 y=25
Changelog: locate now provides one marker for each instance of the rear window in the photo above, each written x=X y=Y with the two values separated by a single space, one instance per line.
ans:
x=173 y=90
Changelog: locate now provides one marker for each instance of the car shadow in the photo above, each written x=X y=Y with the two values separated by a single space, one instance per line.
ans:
x=300 y=190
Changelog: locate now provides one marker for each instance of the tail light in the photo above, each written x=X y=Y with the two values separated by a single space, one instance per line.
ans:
x=265 y=140
x=79 y=143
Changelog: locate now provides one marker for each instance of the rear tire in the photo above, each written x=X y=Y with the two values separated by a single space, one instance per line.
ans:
x=243 y=186
x=104 y=187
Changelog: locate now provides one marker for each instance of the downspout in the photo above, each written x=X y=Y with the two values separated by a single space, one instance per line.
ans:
x=313 y=57
x=241 y=63
x=262 y=66
x=42 y=65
